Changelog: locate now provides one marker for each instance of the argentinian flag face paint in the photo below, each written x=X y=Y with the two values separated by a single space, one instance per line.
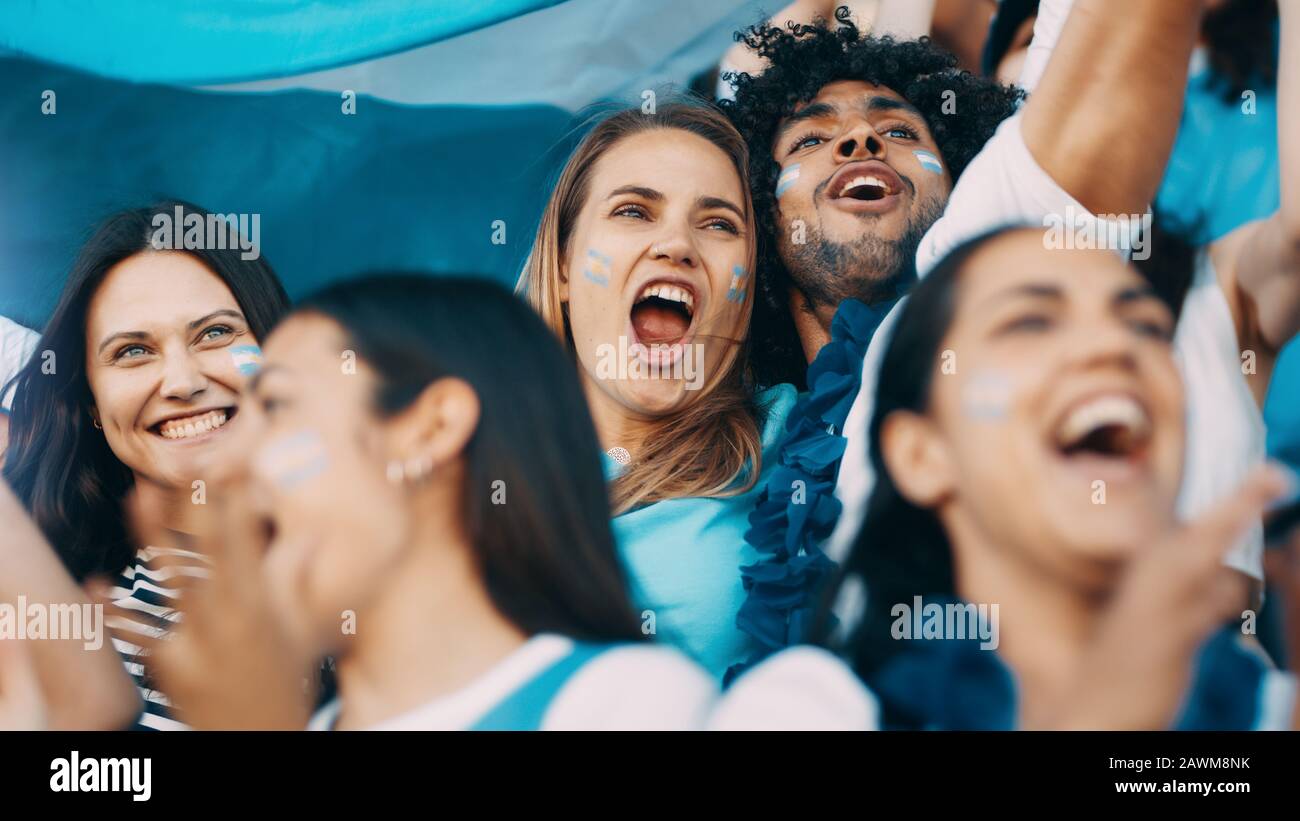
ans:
x=789 y=175
x=597 y=268
x=247 y=358
x=929 y=162
x=736 y=293
x=987 y=396
x=292 y=459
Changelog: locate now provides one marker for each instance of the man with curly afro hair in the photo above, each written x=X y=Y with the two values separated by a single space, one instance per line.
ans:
x=870 y=159
x=856 y=144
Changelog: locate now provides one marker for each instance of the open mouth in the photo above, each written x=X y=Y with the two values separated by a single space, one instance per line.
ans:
x=866 y=187
x=871 y=186
x=193 y=426
x=1113 y=427
x=663 y=312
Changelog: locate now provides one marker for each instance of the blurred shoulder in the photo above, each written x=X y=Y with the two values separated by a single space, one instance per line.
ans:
x=802 y=688
x=635 y=687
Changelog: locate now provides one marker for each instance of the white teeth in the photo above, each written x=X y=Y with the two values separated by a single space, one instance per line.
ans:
x=865 y=180
x=671 y=293
x=1104 y=411
x=192 y=425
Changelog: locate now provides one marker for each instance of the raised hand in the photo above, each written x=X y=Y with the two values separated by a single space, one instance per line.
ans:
x=232 y=661
x=1173 y=596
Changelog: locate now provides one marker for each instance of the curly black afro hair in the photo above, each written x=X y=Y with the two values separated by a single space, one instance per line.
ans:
x=804 y=58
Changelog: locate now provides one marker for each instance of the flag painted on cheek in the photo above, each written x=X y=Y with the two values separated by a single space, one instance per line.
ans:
x=737 y=291
x=293 y=459
x=247 y=358
x=597 y=269
x=929 y=162
x=987 y=396
x=789 y=175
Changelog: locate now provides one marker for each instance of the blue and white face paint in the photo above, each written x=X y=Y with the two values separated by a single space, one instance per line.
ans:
x=736 y=293
x=928 y=161
x=247 y=358
x=597 y=268
x=292 y=459
x=986 y=396
x=789 y=175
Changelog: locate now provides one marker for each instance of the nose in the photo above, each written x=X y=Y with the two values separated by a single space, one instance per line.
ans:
x=676 y=248
x=182 y=378
x=859 y=142
x=1106 y=342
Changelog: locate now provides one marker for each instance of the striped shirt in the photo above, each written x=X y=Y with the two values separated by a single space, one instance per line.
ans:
x=148 y=588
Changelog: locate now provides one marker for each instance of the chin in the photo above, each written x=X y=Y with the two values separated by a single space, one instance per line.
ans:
x=1112 y=537
x=657 y=397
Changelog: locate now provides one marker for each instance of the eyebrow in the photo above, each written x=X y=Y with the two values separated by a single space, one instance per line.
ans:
x=1135 y=293
x=1125 y=296
x=639 y=190
x=719 y=202
x=808 y=112
x=1032 y=290
x=233 y=314
x=656 y=196
x=138 y=335
x=871 y=105
x=879 y=103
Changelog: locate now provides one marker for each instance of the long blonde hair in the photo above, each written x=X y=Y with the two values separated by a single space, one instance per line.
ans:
x=709 y=448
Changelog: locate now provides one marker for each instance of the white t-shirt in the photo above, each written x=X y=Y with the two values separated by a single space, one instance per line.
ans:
x=632 y=687
x=1225 y=428
x=16 y=346
x=802 y=688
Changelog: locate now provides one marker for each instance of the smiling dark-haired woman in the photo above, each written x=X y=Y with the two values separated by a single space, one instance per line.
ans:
x=136 y=387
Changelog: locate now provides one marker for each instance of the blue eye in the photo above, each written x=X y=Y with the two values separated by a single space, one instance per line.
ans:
x=722 y=225
x=805 y=142
x=633 y=211
x=126 y=353
x=216 y=332
x=902 y=132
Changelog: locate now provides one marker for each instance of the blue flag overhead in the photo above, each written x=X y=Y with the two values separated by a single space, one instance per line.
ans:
x=198 y=41
x=406 y=135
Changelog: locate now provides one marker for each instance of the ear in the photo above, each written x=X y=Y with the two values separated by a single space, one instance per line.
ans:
x=917 y=458
x=437 y=426
x=564 y=282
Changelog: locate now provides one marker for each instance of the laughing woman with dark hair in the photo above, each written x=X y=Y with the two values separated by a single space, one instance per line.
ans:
x=443 y=493
x=137 y=384
x=1028 y=436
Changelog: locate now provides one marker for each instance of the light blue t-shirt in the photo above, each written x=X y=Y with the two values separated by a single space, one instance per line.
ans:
x=683 y=557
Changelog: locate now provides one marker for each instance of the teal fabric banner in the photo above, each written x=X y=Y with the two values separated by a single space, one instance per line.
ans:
x=201 y=42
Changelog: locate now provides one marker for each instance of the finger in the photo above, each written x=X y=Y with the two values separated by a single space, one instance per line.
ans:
x=181 y=574
x=1226 y=597
x=133 y=627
